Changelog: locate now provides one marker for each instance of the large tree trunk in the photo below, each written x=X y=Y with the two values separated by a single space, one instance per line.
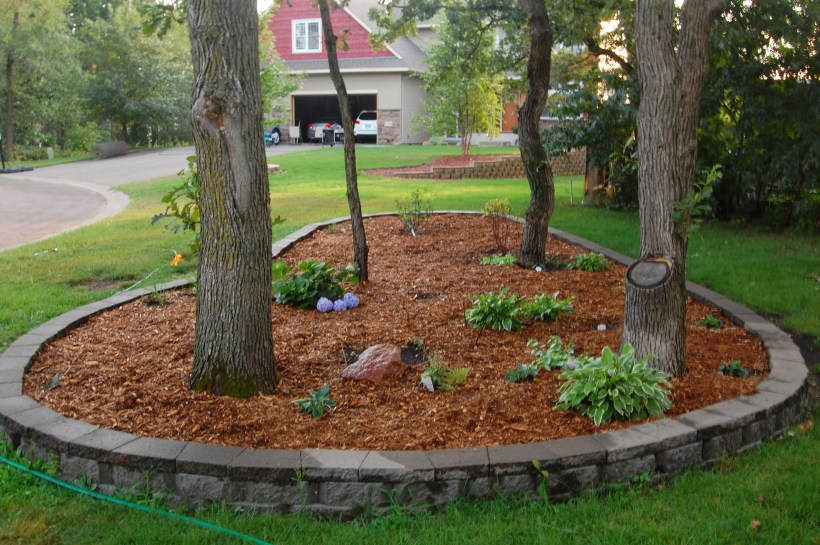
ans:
x=354 y=203
x=671 y=82
x=533 y=249
x=233 y=348
x=10 y=60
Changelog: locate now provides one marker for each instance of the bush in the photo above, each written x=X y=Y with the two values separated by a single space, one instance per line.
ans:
x=548 y=308
x=442 y=377
x=556 y=356
x=182 y=206
x=309 y=281
x=497 y=311
x=615 y=386
x=497 y=211
x=591 y=262
x=710 y=322
x=414 y=211
x=30 y=153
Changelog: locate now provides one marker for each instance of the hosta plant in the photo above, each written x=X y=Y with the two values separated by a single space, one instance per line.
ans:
x=498 y=311
x=506 y=260
x=522 y=372
x=317 y=403
x=592 y=262
x=615 y=386
x=710 y=322
x=733 y=369
x=548 y=308
x=554 y=356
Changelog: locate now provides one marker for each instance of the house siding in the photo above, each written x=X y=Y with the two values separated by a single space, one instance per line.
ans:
x=357 y=36
x=412 y=106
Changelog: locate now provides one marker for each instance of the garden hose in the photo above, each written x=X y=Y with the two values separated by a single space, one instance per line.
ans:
x=132 y=505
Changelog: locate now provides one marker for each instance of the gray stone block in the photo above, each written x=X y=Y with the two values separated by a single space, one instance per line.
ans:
x=792 y=372
x=99 y=444
x=73 y=468
x=269 y=466
x=769 y=402
x=435 y=493
x=58 y=432
x=573 y=480
x=756 y=432
x=518 y=459
x=24 y=421
x=10 y=363
x=624 y=471
x=467 y=463
x=330 y=512
x=204 y=459
x=676 y=460
x=352 y=494
x=792 y=355
x=142 y=481
x=518 y=484
x=199 y=488
x=11 y=376
x=707 y=423
x=274 y=493
x=624 y=444
x=480 y=487
x=396 y=466
x=742 y=413
x=149 y=453
x=332 y=465
x=578 y=451
x=722 y=445
x=786 y=388
x=668 y=433
x=11 y=389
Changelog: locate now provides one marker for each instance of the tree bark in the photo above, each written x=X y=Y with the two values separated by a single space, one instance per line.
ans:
x=539 y=173
x=354 y=202
x=670 y=82
x=233 y=346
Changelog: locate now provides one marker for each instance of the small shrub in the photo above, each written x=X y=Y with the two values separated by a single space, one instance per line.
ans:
x=311 y=280
x=506 y=260
x=497 y=211
x=182 y=205
x=443 y=377
x=414 y=211
x=710 y=322
x=497 y=311
x=548 y=308
x=317 y=403
x=522 y=372
x=615 y=386
x=591 y=262
x=733 y=369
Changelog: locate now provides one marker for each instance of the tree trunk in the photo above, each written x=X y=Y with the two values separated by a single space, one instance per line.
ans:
x=233 y=346
x=539 y=173
x=10 y=60
x=353 y=201
x=671 y=82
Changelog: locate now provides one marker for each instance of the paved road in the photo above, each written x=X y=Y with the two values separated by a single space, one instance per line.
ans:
x=50 y=200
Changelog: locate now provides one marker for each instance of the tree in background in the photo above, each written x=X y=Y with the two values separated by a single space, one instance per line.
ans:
x=672 y=60
x=233 y=345
x=464 y=85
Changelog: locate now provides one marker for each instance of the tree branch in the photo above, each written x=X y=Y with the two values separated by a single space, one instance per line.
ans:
x=598 y=51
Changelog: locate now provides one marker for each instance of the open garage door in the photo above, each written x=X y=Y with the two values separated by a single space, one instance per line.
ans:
x=310 y=108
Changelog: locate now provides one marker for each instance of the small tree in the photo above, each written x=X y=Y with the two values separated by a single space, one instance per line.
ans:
x=463 y=85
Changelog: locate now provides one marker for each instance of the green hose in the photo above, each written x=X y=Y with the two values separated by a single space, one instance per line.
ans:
x=132 y=505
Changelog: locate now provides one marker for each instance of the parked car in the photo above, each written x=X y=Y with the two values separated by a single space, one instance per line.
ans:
x=272 y=137
x=316 y=129
x=365 y=125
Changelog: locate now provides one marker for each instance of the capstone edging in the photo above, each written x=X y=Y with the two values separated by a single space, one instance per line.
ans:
x=344 y=483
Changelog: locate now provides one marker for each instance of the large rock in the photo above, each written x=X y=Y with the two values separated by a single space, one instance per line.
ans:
x=376 y=364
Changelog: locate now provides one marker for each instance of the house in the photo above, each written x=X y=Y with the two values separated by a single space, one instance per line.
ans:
x=383 y=79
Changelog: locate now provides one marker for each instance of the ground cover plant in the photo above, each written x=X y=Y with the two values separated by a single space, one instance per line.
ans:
x=770 y=484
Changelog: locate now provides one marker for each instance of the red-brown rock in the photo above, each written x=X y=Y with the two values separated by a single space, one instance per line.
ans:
x=376 y=364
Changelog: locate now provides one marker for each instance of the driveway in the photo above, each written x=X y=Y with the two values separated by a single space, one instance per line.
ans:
x=46 y=201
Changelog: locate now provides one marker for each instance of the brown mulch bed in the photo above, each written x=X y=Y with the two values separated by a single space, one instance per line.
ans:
x=442 y=161
x=128 y=368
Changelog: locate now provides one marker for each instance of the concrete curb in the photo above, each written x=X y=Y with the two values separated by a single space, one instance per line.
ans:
x=344 y=483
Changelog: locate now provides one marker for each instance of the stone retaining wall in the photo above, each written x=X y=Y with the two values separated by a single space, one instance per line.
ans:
x=510 y=166
x=344 y=483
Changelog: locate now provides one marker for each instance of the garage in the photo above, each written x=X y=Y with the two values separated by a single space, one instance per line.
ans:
x=310 y=108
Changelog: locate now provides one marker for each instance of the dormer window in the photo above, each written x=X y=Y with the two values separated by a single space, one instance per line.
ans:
x=307 y=36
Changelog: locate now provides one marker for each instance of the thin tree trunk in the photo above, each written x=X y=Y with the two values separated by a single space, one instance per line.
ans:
x=10 y=60
x=233 y=346
x=671 y=83
x=354 y=202
x=533 y=249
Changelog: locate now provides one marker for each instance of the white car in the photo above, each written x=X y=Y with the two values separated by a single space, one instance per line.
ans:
x=365 y=125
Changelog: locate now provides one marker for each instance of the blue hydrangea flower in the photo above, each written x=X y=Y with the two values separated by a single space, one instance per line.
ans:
x=351 y=300
x=324 y=305
x=339 y=305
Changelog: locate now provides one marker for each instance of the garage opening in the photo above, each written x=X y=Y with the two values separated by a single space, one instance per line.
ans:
x=311 y=108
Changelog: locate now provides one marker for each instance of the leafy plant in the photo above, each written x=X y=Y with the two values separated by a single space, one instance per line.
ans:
x=498 y=210
x=615 y=386
x=592 y=262
x=317 y=402
x=710 y=322
x=309 y=281
x=690 y=211
x=497 y=311
x=522 y=372
x=548 y=308
x=182 y=205
x=414 y=211
x=554 y=356
x=505 y=260
x=733 y=369
x=443 y=377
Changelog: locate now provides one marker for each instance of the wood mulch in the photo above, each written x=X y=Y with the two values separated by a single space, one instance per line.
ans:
x=441 y=161
x=127 y=368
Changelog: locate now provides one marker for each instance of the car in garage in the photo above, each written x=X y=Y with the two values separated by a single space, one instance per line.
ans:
x=272 y=136
x=317 y=128
x=365 y=125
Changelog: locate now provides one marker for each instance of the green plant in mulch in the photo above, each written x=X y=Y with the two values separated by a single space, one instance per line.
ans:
x=317 y=403
x=548 y=308
x=302 y=286
x=498 y=311
x=440 y=376
x=592 y=262
x=733 y=369
x=710 y=322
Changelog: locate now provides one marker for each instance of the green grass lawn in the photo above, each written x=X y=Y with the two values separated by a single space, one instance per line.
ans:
x=778 y=275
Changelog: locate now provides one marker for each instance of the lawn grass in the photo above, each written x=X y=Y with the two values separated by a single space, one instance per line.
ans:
x=774 y=274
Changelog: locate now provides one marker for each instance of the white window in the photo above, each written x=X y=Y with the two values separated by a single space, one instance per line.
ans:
x=307 y=36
